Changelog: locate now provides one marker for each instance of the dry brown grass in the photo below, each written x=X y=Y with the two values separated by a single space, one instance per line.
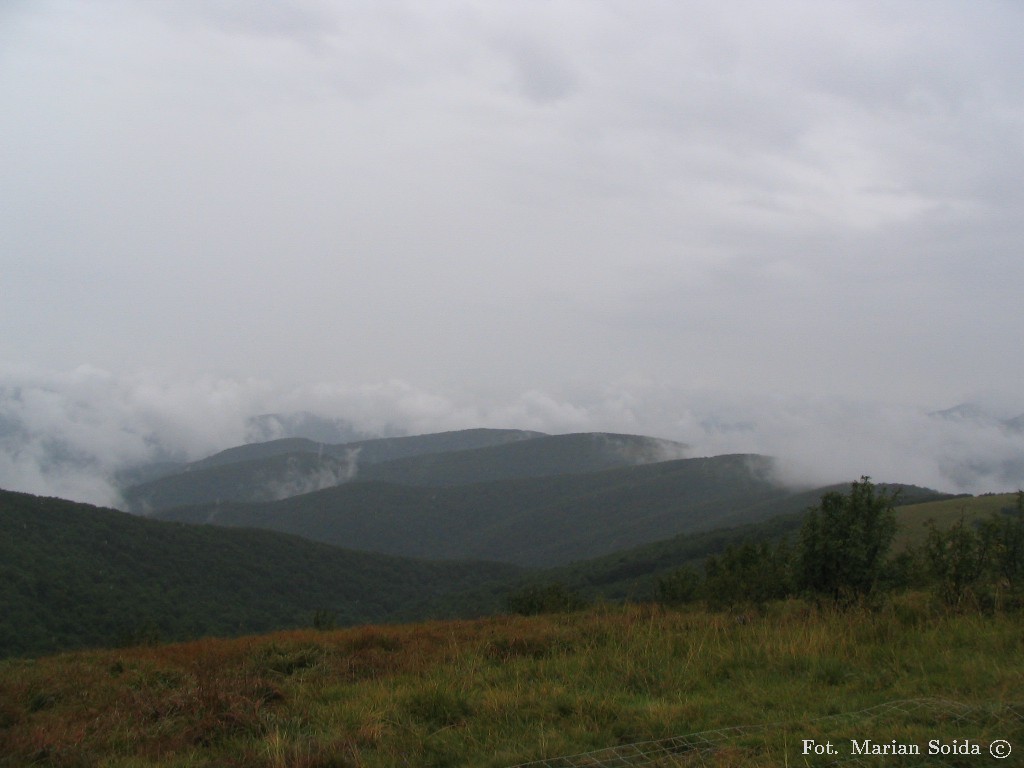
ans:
x=492 y=692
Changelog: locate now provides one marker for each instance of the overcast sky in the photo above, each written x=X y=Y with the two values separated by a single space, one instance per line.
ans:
x=623 y=215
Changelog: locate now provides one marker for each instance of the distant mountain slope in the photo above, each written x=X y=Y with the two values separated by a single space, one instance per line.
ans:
x=374 y=450
x=541 y=521
x=310 y=428
x=289 y=466
x=265 y=479
x=241 y=454
x=540 y=457
x=322 y=429
x=73 y=575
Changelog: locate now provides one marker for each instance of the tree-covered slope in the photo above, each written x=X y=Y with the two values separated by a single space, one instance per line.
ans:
x=73 y=575
x=541 y=521
x=374 y=450
x=290 y=466
x=633 y=573
x=540 y=457
x=273 y=477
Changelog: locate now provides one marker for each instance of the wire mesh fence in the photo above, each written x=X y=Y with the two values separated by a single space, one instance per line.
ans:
x=905 y=733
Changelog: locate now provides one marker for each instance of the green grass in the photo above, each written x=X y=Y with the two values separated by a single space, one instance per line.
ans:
x=501 y=691
x=913 y=519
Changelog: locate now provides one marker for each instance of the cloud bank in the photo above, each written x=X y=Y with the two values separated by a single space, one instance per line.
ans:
x=70 y=434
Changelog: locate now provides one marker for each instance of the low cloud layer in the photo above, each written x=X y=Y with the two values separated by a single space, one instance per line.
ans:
x=70 y=434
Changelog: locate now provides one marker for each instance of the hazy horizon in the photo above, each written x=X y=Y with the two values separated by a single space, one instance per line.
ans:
x=71 y=434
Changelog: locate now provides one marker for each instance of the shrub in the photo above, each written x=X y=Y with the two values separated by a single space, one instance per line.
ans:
x=549 y=598
x=680 y=586
x=749 y=573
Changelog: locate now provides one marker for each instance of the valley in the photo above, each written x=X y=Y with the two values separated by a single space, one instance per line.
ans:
x=374 y=622
x=403 y=546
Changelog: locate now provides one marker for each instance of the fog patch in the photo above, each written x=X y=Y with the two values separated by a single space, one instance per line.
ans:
x=644 y=450
x=328 y=472
x=71 y=434
x=823 y=441
x=322 y=429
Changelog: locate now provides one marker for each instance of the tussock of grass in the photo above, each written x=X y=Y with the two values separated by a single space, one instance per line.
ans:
x=504 y=690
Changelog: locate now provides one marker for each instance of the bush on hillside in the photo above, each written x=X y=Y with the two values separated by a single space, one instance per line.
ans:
x=548 y=598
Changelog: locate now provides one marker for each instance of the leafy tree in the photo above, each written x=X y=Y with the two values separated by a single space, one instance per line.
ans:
x=1002 y=537
x=956 y=560
x=844 y=542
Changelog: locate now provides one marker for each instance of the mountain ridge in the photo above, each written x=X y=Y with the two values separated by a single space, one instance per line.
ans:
x=259 y=472
x=254 y=472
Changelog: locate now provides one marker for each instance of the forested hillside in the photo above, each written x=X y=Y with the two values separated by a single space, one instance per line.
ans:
x=541 y=521
x=290 y=466
x=74 y=575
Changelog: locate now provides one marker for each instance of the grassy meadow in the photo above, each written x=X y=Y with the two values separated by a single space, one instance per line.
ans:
x=506 y=690
x=914 y=519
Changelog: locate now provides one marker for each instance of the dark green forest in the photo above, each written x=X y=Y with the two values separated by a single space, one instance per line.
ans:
x=274 y=470
x=73 y=575
x=479 y=522
x=530 y=521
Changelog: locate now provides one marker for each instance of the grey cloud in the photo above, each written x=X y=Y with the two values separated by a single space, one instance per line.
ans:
x=542 y=75
x=486 y=208
x=304 y=21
